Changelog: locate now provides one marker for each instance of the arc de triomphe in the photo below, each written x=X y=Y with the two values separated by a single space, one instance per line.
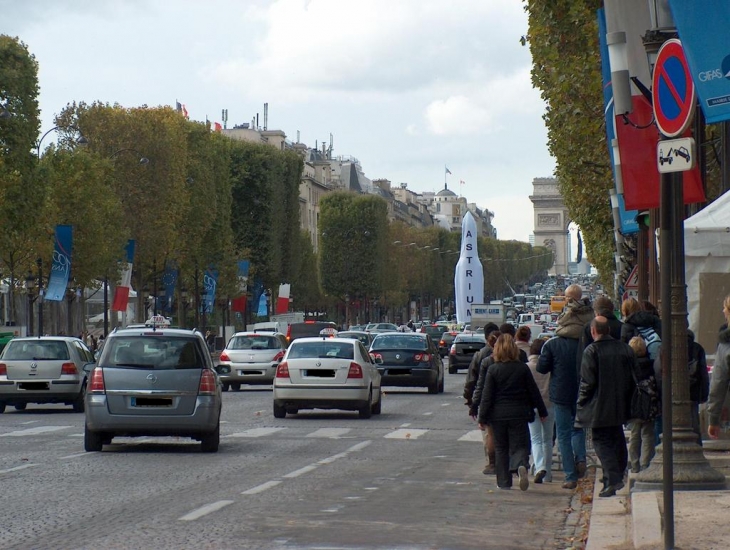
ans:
x=551 y=221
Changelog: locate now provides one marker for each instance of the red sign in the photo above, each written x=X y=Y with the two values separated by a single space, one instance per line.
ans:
x=673 y=92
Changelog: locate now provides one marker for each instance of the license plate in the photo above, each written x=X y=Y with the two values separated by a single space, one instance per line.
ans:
x=151 y=401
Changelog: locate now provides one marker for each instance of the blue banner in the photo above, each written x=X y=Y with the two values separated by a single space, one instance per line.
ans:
x=210 y=282
x=263 y=309
x=169 y=281
x=702 y=28
x=61 y=266
x=628 y=218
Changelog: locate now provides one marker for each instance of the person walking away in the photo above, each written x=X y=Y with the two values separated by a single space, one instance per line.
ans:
x=639 y=322
x=642 y=440
x=522 y=339
x=699 y=380
x=484 y=360
x=559 y=359
x=541 y=431
x=472 y=374
x=603 y=305
x=604 y=401
x=720 y=375
x=508 y=403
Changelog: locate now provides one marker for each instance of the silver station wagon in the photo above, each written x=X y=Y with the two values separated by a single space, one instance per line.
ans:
x=251 y=358
x=153 y=382
x=46 y=369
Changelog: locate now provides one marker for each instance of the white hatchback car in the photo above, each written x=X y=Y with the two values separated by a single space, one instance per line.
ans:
x=327 y=373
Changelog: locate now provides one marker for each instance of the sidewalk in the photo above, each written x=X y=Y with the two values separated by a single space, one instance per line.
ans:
x=633 y=520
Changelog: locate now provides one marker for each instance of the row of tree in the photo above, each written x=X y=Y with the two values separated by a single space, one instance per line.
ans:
x=196 y=199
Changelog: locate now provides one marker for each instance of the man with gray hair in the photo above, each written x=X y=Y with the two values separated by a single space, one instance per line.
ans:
x=604 y=401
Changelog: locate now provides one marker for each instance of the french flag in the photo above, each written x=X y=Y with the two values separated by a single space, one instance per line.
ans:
x=282 y=302
x=121 y=292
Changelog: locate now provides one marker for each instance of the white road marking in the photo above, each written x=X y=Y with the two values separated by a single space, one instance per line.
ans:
x=300 y=471
x=330 y=432
x=23 y=467
x=359 y=447
x=331 y=459
x=205 y=510
x=445 y=404
x=405 y=425
x=76 y=435
x=76 y=455
x=405 y=434
x=263 y=487
x=30 y=422
x=35 y=431
x=473 y=435
x=427 y=414
x=257 y=432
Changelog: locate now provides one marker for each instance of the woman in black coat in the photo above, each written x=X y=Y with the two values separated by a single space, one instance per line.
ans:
x=508 y=402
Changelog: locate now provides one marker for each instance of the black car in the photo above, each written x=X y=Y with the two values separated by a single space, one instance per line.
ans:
x=463 y=350
x=408 y=360
x=447 y=338
x=307 y=329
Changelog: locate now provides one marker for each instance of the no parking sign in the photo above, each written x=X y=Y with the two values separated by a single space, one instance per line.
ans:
x=673 y=92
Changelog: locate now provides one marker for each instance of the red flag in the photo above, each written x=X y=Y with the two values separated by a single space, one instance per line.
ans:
x=282 y=302
x=239 y=304
x=121 y=298
x=185 y=111
x=217 y=127
x=639 y=171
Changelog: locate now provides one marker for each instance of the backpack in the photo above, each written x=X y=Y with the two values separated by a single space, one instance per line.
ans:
x=652 y=340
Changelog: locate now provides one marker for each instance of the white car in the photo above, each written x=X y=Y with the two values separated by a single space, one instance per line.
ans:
x=327 y=373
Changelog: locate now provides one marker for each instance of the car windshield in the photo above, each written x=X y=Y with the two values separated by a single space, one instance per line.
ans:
x=256 y=341
x=400 y=341
x=36 y=350
x=321 y=350
x=158 y=352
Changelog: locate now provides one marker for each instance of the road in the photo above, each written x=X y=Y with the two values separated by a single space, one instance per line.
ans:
x=407 y=479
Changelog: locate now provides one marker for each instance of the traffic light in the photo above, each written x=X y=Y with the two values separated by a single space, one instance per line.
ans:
x=643 y=219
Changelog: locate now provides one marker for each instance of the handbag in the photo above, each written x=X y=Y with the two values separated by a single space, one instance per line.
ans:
x=645 y=399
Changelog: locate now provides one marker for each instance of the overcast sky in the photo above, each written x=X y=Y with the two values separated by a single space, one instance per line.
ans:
x=405 y=86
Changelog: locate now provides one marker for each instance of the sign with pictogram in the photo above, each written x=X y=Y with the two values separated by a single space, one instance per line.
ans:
x=675 y=155
x=632 y=281
x=673 y=92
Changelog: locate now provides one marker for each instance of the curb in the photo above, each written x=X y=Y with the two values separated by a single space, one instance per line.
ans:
x=610 y=525
x=646 y=519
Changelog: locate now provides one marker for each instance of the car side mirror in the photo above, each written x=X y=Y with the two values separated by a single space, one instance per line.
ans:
x=88 y=367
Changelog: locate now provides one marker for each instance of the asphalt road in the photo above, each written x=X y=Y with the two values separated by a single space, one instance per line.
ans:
x=407 y=479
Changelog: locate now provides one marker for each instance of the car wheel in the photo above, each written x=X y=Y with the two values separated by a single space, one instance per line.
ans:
x=434 y=387
x=378 y=405
x=21 y=406
x=279 y=411
x=225 y=386
x=236 y=387
x=2 y=407
x=209 y=442
x=452 y=370
x=366 y=410
x=93 y=441
x=441 y=386
x=78 y=403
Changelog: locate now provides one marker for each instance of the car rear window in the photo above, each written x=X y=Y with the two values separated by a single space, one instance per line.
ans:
x=400 y=341
x=364 y=338
x=256 y=341
x=301 y=330
x=321 y=350
x=36 y=350
x=153 y=352
x=471 y=338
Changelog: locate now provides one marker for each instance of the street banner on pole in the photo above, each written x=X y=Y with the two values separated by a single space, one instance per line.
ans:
x=61 y=267
x=210 y=283
x=121 y=292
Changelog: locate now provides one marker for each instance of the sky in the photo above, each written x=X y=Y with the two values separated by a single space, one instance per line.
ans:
x=408 y=87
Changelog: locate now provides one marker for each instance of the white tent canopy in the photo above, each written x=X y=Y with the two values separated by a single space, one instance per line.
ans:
x=707 y=269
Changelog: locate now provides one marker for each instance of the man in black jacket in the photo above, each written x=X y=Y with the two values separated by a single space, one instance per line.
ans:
x=604 y=401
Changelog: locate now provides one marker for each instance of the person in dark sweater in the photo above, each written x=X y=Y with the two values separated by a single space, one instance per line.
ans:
x=642 y=441
x=508 y=404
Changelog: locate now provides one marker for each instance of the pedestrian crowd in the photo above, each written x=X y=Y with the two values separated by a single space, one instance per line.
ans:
x=599 y=374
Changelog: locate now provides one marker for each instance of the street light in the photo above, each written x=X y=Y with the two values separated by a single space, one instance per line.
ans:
x=29 y=286
x=80 y=141
x=39 y=263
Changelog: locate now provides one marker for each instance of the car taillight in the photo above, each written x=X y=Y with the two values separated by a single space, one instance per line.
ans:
x=208 y=383
x=3 y=369
x=452 y=351
x=69 y=368
x=97 y=381
x=288 y=333
x=376 y=356
x=282 y=371
x=422 y=357
x=279 y=356
x=355 y=371
x=442 y=343
x=224 y=357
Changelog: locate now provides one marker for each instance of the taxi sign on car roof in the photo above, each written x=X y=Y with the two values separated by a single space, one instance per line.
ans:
x=328 y=332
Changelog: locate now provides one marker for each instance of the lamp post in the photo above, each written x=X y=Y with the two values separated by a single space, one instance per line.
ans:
x=81 y=140
x=29 y=285
x=41 y=290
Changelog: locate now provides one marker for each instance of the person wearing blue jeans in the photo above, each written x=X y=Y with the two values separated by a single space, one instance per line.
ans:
x=559 y=358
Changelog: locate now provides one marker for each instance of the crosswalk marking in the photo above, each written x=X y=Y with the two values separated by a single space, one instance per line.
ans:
x=409 y=433
x=256 y=432
x=205 y=510
x=35 y=431
x=474 y=435
x=330 y=432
